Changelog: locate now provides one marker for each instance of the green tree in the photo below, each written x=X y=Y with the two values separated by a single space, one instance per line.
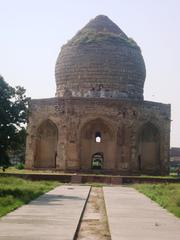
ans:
x=13 y=119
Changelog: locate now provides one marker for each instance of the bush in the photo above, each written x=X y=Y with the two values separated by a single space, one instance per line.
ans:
x=20 y=166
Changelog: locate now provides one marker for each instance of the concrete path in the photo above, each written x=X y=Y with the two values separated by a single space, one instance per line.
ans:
x=132 y=216
x=53 y=216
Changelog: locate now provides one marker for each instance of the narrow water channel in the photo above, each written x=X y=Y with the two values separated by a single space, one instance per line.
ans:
x=94 y=223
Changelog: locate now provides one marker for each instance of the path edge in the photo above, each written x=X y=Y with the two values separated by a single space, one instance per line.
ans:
x=79 y=222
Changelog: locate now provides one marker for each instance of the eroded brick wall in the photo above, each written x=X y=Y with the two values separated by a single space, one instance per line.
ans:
x=124 y=121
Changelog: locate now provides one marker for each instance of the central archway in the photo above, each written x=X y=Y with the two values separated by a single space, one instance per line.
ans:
x=97 y=137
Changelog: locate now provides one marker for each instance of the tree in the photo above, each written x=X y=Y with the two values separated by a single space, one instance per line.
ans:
x=13 y=119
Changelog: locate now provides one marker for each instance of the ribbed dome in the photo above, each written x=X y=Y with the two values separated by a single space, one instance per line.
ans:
x=100 y=61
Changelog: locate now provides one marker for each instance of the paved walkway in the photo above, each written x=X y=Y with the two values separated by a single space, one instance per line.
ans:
x=53 y=216
x=132 y=216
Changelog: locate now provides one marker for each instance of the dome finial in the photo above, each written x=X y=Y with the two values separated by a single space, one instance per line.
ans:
x=102 y=23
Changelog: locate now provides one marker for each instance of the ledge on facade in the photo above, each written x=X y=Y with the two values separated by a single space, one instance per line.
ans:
x=97 y=99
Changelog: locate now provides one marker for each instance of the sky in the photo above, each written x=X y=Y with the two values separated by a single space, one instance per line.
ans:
x=33 y=31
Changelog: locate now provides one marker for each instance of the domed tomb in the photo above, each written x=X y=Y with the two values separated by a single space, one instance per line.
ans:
x=100 y=61
x=98 y=120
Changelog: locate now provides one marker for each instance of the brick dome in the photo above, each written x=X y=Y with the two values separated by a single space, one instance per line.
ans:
x=100 y=61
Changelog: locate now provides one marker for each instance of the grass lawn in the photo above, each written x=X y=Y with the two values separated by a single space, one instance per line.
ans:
x=24 y=171
x=15 y=192
x=166 y=195
x=52 y=172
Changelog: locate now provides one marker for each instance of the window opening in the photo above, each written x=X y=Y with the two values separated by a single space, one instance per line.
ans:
x=98 y=137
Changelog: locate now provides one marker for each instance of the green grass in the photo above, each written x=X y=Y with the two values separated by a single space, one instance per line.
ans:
x=14 y=192
x=15 y=170
x=53 y=172
x=166 y=195
x=171 y=175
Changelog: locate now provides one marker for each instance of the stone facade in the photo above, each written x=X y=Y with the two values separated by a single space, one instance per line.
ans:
x=99 y=95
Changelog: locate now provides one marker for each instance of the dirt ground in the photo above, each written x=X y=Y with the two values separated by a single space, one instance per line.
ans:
x=94 y=225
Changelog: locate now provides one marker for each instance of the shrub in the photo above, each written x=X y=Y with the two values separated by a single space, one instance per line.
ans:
x=20 y=166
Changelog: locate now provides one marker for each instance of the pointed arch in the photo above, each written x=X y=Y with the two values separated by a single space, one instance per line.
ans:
x=46 y=145
x=149 y=148
x=97 y=136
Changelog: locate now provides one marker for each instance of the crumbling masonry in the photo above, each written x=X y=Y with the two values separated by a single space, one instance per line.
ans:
x=99 y=119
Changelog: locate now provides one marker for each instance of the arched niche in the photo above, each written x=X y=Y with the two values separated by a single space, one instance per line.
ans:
x=46 y=145
x=149 y=149
x=97 y=136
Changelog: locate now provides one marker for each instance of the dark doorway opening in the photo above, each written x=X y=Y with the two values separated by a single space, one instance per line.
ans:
x=97 y=160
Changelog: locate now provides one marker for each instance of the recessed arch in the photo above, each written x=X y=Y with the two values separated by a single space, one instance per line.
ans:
x=149 y=148
x=97 y=136
x=46 y=145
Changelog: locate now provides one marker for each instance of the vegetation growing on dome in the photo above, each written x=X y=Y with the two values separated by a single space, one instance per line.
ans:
x=90 y=36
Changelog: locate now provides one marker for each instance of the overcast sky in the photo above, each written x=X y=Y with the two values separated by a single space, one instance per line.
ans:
x=33 y=31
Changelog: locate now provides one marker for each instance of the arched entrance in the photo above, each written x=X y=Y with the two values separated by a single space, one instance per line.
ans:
x=97 y=160
x=149 y=149
x=97 y=146
x=46 y=145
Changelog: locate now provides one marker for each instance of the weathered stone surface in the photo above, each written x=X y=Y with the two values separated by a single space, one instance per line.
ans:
x=99 y=93
x=100 y=61
x=120 y=123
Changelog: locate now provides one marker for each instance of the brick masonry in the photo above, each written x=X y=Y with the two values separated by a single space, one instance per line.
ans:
x=100 y=78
